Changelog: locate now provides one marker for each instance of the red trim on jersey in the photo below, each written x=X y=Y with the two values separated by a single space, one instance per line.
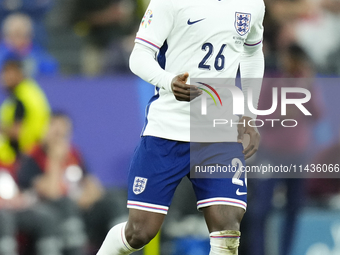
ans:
x=143 y=40
x=253 y=44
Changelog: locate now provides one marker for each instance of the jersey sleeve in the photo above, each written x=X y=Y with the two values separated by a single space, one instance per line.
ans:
x=255 y=35
x=156 y=24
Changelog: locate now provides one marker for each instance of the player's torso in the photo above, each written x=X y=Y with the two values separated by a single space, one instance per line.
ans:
x=208 y=36
x=206 y=40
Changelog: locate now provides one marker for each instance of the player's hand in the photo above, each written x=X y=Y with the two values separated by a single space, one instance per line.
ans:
x=254 y=136
x=183 y=91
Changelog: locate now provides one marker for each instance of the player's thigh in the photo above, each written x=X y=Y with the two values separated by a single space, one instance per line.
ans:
x=222 y=199
x=157 y=167
x=223 y=217
x=144 y=224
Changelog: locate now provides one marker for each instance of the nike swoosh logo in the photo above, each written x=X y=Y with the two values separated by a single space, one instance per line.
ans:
x=240 y=193
x=193 y=22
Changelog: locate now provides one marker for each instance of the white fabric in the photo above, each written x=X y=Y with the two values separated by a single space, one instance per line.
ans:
x=174 y=22
x=143 y=64
x=252 y=77
x=115 y=242
x=319 y=35
x=224 y=242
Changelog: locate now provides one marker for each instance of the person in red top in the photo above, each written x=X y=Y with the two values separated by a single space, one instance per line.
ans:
x=54 y=168
x=56 y=171
x=44 y=171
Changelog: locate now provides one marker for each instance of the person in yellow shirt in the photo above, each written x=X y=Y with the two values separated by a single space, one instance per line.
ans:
x=24 y=115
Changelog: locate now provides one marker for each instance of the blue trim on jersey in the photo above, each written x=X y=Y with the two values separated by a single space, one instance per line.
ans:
x=145 y=92
x=161 y=55
x=161 y=59
x=154 y=98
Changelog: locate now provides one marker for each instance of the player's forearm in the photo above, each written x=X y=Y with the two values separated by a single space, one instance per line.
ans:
x=144 y=65
x=252 y=70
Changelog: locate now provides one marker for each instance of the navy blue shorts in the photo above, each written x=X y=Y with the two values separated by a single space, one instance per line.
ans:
x=158 y=166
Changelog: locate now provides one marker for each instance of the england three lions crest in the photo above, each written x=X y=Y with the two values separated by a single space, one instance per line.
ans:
x=139 y=185
x=242 y=22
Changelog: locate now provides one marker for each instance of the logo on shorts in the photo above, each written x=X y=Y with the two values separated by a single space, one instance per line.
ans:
x=240 y=193
x=242 y=22
x=139 y=185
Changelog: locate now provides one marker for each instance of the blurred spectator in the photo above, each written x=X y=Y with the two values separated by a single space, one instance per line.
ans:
x=325 y=48
x=333 y=63
x=331 y=5
x=280 y=20
x=56 y=171
x=18 y=33
x=283 y=146
x=299 y=21
x=20 y=214
x=35 y=9
x=43 y=173
x=24 y=115
x=104 y=22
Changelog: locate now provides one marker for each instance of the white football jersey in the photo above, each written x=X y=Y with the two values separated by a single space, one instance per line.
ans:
x=202 y=37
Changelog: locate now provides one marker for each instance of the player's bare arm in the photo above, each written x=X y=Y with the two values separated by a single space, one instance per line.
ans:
x=183 y=91
x=254 y=136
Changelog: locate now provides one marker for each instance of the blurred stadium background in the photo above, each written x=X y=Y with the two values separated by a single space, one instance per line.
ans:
x=78 y=50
